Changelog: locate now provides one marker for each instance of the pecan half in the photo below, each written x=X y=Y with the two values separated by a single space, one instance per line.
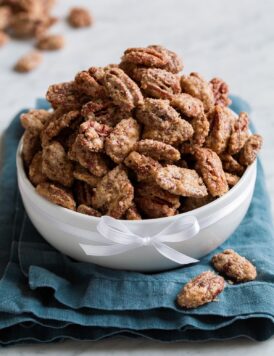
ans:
x=88 y=210
x=234 y=266
x=84 y=175
x=200 y=290
x=35 y=170
x=249 y=152
x=157 y=150
x=28 y=62
x=220 y=91
x=144 y=167
x=187 y=105
x=64 y=95
x=239 y=134
x=34 y=120
x=91 y=82
x=57 y=195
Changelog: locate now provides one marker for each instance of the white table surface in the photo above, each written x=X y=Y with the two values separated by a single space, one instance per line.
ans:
x=231 y=39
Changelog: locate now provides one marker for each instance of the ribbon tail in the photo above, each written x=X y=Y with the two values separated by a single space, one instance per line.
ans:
x=107 y=250
x=172 y=254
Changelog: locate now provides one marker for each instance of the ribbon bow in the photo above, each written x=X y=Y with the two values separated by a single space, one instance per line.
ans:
x=121 y=239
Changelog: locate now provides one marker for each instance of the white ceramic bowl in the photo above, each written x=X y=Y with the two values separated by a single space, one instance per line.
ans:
x=66 y=230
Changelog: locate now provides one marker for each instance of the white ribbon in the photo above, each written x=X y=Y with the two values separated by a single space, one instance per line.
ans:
x=121 y=239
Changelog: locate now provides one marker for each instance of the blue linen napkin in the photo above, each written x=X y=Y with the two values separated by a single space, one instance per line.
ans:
x=46 y=296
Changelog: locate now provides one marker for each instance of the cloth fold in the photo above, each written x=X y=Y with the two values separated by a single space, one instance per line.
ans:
x=46 y=296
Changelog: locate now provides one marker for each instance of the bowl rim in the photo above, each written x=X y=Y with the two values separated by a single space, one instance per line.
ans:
x=87 y=218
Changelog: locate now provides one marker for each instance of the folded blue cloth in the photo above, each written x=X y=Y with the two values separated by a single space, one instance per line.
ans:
x=46 y=296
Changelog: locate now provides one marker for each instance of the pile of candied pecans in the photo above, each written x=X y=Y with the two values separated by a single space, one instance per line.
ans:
x=137 y=140
x=27 y=19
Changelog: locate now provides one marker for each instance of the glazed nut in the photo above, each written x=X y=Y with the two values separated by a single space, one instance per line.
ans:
x=80 y=17
x=250 y=150
x=50 y=42
x=220 y=91
x=200 y=290
x=187 y=105
x=56 y=194
x=88 y=210
x=157 y=150
x=144 y=167
x=28 y=62
x=4 y=38
x=234 y=266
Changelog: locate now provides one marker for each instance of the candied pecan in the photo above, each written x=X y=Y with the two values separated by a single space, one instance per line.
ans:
x=50 y=42
x=239 y=134
x=149 y=57
x=5 y=17
x=64 y=95
x=84 y=175
x=192 y=203
x=220 y=91
x=222 y=122
x=231 y=179
x=57 y=124
x=90 y=82
x=31 y=144
x=88 y=210
x=174 y=63
x=210 y=166
x=157 y=150
x=234 y=266
x=187 y=105
x=173 y=132
x=144 y=167
x=195 y=85
x=200 y=290
x=200 y=125
x=114 y=193
x=28 y=62
x=159 y=83
x=155 y=112
x=250 y=150
x=180 y=181
x=92 y=135
x=122 y=139
x=36 y=175
x=83 y=193
x=80 y=17
x=34 y=120
x=55 y=164
x=122 y=89
x=132 y=213
x=231 y=165
x=4 y=38
x=155 y=202
x=57 y=195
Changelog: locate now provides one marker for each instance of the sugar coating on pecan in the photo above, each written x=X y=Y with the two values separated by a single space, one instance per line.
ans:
x=57 y=195
x=220 y=91
x=50 y=42
x=88 y=210
x=200 y=290
x=200 y=125
x=231 y=165
x=211 y=169
x=90 y=82
x=36 y=176
x=157 y=150
x=188 y=105
x=249 y=152
x=80 y=17
x=234 y=266
x=149 y=57
x=132 y=213
x=192 y=203
x=64 y=95
x=84 y=175
x=144 y=167
x=83 y=193
x=5 y=17
x=56 y=125
x=155 y=202
x=232 y=179
x=31 y=144
x=159 y=83
x=239 y=134
x=222 y=123
x=173 y=132
x=195 y=85
x=56 y=165
x=122 y=89
x=114 y=193
x=181 y=181
x=34 y=120
x=155 y=112
x=28 y=62
x=122 y=139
